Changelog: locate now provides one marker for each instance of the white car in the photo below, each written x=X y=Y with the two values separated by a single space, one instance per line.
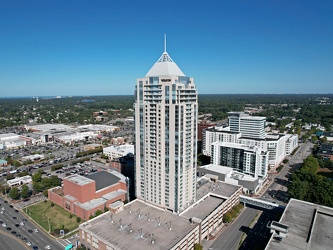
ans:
x=4 y=224
x=3 y=209
x=1 y=212
x=22 y=223
x=28 y=243
x=36 y=230
x=47 y=247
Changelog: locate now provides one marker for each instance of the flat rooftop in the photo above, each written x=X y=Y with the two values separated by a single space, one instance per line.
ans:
x=217 y=168
x=91 y=204
x=310 y=227
x=78 y=179
x=103 y=179
x=49 y=127
x=139 y=217
x=221 y=189
x=203 y=208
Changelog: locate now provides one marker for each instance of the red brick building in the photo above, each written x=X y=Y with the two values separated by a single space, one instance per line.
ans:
x=84 y=195
x=202 y=126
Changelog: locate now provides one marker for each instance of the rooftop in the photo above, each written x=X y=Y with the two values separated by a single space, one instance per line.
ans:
x=49 y=127
x=326 y=149
x=78 y=179
x=5 y=136
x=142 y=219
x=310 y=226
x=219 y=188
x=91 y=204
x=203 y=208
x=103 y=179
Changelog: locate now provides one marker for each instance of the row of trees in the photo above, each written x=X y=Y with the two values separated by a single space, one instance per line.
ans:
x=307 y=185
x=79 y=110
x=39 y=185
x=233 y=213
x=43 y=184
x=15 y=111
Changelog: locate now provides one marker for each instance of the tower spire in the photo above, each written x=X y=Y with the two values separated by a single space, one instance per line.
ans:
x=164 y=43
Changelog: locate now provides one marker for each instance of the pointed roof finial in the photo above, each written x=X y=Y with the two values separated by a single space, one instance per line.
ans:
x=164 y=43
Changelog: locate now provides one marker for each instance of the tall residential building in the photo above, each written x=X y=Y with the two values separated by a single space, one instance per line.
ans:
x=250 y=126
x=166 y=110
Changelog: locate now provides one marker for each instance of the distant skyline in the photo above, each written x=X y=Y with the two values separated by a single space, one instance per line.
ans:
x=86 y=48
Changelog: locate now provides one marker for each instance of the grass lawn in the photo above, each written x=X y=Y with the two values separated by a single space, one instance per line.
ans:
x=59 y=217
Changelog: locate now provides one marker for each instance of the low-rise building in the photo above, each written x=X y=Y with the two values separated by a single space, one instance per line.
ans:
x=250 y=184
x=115 y=152
x=35 y=157
x=303 y=225
x=18 y=181
x=326 y=151
x=140 y=225
x=85 y=195
x=117 y=141
x=3 y=163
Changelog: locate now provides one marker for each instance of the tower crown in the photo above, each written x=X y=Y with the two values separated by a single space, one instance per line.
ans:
x=165 y=66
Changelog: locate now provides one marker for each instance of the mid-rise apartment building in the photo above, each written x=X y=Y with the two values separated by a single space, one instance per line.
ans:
x=249 y=131
x=250 y=160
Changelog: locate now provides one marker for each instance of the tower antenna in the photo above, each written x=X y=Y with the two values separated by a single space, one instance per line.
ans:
x=164 y=43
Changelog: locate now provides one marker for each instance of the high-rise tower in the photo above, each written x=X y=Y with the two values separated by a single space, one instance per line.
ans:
x=166 y=110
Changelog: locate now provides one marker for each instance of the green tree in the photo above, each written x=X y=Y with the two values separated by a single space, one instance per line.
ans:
x=22 y=174
x=5 y=189
x=197 y=246
x=37 y=187
x=55 y=181
x=10 y=177
x=46 y=183
x=24 y=191
x=98 y=212
x=314 y=138
x=37 y=177
x=14 y=193
x=227 y=218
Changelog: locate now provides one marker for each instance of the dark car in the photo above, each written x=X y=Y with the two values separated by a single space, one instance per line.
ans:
x=14 y=232
x=14 y=218
x=9 y=228
x=35 y=248
x=17 y=225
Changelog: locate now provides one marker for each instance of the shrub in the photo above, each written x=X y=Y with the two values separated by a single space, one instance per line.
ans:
x=56 y=167
x=98 y=212
x=45 y=193
x=78 y=219
x=52 y=204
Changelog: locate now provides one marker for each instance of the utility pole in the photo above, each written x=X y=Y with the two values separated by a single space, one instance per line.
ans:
x=48 y=220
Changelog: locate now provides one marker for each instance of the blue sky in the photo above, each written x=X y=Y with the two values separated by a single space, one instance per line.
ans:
x=50 y=48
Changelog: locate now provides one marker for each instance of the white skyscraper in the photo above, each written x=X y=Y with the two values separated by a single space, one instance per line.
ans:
x=166 y=110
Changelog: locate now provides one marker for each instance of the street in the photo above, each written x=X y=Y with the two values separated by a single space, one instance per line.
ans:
x=24 y=232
